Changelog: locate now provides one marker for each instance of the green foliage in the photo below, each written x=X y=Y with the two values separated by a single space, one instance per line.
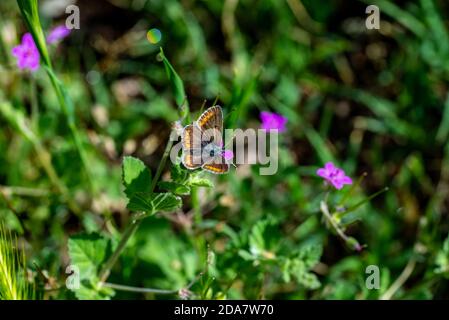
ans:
x=13 y=282
x=175 y=82
x=137 y=183
x=152 y=203
x=371 y=101
x=136 y=176
x=87 y=253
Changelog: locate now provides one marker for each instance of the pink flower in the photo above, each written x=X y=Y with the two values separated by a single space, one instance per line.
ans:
x=273 y=121
x=58 y=33
x=334 y=175
x=27 y=54
x=228 y=154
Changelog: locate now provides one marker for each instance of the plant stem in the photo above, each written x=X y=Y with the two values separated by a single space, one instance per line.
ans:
x=30 y=13
x=137 y=289
x=325 y=211
x=34 y=105
x=196 y=206
x=132 y=227
x=406 y=273
x=198 y=238
x=150 y=290
x=106 y=270
x=71 y=123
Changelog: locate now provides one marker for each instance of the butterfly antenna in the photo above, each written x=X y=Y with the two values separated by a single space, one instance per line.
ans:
x=230 y=140
x=216 y=100
x=202 y=106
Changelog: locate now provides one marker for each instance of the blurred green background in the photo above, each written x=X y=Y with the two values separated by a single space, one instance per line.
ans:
x=372 y=101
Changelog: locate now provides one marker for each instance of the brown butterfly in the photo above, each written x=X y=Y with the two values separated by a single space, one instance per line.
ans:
x=202 y=144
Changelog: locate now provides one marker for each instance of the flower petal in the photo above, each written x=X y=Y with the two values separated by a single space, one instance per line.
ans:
x=322 y=173
x=346 y=180
x=329 y=166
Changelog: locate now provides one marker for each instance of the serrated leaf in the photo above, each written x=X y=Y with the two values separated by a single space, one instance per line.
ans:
x=309 y=280
x=152 y=203
x=166 y=202
x=174 y=187
x=178 y=174
x=136 y=176
x=196 y=181
x=87 y=252
x=310 y=255
x=141 y=202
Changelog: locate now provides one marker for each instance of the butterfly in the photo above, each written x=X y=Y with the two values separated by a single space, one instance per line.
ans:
x=202 y=144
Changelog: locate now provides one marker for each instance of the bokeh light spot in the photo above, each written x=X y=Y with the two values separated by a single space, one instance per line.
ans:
x=154 y=35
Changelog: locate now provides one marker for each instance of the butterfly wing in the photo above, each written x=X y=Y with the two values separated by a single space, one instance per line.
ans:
x=211 y=124
x=217 y=165
x=191 y=159
x=191 y=147
x=191 y=137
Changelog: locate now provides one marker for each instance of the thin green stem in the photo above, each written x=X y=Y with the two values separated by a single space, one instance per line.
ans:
x=198 y=238
x=325 y=210
x=197 y=216
x=30 y=14
x=106 y=270
x=71 y=123
x=34 y=105
x=121 y=287
x=132 y=227
x=150 y=290
x=399 y=282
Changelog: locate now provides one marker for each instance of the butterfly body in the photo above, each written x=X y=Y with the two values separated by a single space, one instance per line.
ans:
x=202 y=145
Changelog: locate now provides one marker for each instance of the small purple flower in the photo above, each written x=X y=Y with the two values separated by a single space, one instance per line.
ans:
x=273 y=121
x=228 y=154
x=58 y=33
x=27 y=54
x=334 y=175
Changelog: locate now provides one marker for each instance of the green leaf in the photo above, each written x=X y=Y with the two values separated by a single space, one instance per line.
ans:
x=166 y=202
x=309 y=280
x=87 y=252
x=298 y=269
x=136 y=177
x=141 y=202
x=175 y=81
x=285 y=269
x=196 y=181
x=175 y=188
x=256 y=238
x=90 y=290
x=152 y=203
x=310 y=255
x=177 y=173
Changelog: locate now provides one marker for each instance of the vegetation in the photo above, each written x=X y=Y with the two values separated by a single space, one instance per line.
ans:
x=100 y=211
